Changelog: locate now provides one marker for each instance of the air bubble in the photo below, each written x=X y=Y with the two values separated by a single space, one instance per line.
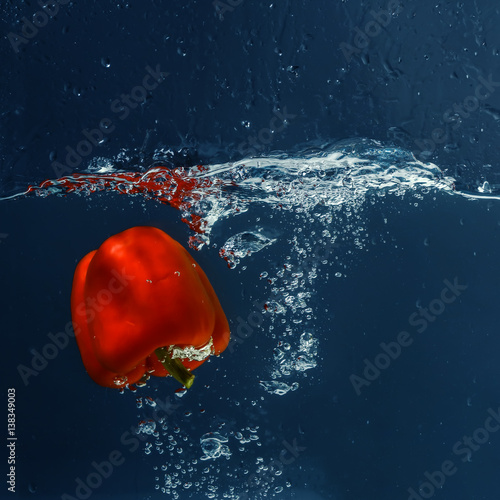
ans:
x=120 y=380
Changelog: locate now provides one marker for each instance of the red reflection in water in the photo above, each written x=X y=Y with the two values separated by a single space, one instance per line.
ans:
x=179 y=188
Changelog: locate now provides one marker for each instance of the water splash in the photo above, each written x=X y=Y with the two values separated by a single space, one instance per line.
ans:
x=341 y=175
x=322 y=194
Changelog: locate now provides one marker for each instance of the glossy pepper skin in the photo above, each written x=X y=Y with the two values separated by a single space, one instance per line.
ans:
x=138 y=292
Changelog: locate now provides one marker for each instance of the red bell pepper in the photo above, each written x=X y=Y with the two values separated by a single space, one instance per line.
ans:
x=142 y=306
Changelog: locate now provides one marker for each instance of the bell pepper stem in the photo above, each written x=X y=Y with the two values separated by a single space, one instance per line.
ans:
x=175 y=367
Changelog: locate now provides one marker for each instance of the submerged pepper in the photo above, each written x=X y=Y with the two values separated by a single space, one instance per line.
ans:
x=142 y=306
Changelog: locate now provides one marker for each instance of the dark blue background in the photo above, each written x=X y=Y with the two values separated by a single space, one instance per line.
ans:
x=261 y=58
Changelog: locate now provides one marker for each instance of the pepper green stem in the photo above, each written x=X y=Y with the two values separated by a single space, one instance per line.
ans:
x=175 y=367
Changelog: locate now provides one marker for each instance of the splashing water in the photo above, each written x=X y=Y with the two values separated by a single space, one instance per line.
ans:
x=342 y=175
x=321 y=193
